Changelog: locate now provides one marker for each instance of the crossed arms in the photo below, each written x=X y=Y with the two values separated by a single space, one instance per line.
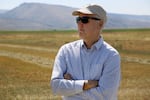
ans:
x=88 y=84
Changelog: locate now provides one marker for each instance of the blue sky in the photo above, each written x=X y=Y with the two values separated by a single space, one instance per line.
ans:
x=138 y=7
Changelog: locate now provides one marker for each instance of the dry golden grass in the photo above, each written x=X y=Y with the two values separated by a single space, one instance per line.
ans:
x=135 y=83
x=48 y=53
x=24 y=80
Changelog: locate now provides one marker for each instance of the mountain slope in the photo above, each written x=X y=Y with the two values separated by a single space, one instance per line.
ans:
x=127 y=21
x=37 y=16
x=48 y=15
x=2 y=11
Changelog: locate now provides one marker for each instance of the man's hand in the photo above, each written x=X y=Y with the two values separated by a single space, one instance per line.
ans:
x=90 y=84
x=67 y=76
x=87 y=84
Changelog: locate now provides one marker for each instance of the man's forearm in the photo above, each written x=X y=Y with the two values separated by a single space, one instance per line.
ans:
x=88 y=84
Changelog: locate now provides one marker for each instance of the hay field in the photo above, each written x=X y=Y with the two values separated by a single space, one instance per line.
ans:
x=26 y=60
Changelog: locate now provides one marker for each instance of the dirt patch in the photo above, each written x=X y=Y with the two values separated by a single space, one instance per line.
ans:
x=44 y=62
x=138 y=60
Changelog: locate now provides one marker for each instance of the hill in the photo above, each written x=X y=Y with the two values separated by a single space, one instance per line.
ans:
x=2 y=11
x=37 y=16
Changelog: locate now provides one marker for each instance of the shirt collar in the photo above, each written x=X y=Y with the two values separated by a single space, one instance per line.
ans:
x=97 y=45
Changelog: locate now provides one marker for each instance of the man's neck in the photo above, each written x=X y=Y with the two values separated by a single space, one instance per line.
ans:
x=89 y=43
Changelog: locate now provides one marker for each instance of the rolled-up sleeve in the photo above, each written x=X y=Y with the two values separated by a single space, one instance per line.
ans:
x=59 y=85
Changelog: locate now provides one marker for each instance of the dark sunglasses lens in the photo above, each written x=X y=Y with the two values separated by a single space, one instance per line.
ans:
x=82 y=19
x=78 y=19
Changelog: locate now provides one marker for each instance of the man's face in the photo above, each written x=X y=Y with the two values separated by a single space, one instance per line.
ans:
x=89 y=30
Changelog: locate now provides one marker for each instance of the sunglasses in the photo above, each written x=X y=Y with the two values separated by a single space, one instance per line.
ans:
x=85 y=19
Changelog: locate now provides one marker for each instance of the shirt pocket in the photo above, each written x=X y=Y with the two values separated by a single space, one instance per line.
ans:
x=96 y=71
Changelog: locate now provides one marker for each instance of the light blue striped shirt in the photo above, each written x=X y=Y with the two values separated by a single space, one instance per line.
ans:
x=101 y=62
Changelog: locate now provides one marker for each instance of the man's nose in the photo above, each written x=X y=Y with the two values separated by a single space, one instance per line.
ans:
x=80 y=24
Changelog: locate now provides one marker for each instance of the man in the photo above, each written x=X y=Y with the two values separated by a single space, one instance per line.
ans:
x=87 y=69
